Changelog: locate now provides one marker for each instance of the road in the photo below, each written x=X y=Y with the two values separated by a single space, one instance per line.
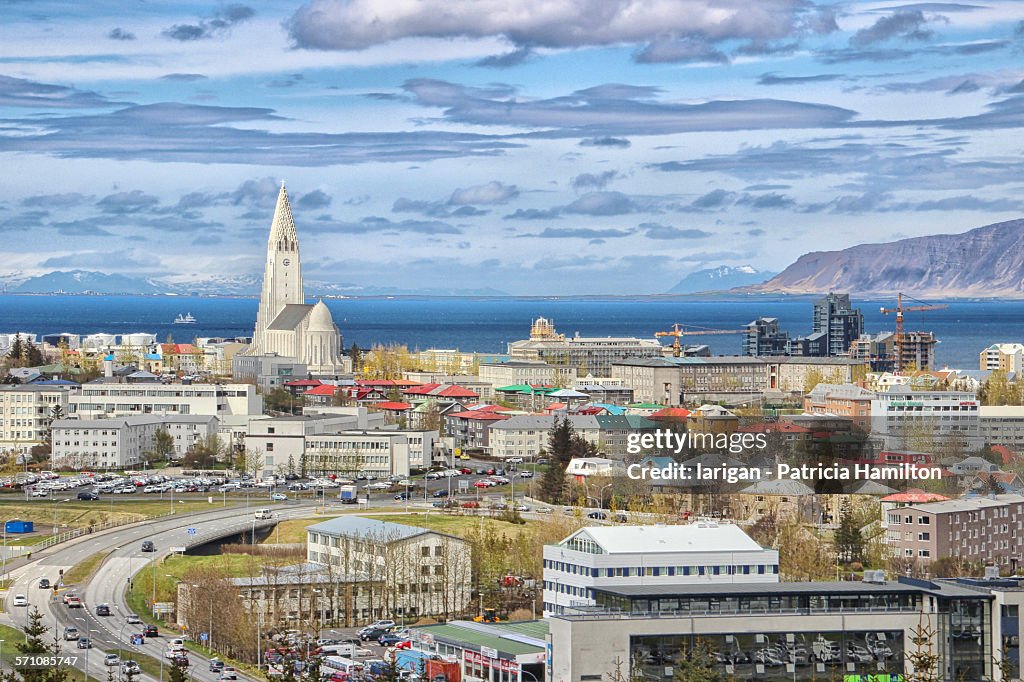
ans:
x=107 y=585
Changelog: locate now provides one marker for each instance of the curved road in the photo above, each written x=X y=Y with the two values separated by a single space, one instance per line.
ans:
x=108 y=583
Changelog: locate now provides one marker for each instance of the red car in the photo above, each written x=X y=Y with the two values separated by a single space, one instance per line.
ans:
x=472 y=504
x=465 y=470
x=480 y=484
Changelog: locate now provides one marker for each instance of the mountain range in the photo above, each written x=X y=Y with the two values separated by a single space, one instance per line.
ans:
x=92 y=282
x=719 y=279
x=986 y=262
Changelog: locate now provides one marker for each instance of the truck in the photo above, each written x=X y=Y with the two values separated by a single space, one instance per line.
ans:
x=348 y=494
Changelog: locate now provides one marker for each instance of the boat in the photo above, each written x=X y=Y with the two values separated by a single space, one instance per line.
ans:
x=184 y=319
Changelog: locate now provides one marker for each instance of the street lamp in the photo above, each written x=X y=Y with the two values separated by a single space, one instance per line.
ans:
x=88 y=636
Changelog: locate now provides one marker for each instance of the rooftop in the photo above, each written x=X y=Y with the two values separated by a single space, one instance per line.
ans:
x=693 y=537
x=358 y=526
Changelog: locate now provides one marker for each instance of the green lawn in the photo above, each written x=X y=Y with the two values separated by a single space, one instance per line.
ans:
x=11 y=637
x=80 y=572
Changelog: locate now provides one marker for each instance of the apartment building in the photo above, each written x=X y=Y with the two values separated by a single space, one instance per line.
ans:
x=121 y=442
x=527 y=435
x=428 y=573
x=841 y=400
x=534 y=373
x=1002 y=425
x=986 y=529
x=104 y=399
x=26 y=411
x=702 y=554
x=1003 y=357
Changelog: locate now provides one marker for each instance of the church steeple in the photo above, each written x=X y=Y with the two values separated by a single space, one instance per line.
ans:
x=282 y=230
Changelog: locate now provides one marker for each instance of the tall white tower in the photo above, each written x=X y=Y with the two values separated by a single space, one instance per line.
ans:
x=282 y=278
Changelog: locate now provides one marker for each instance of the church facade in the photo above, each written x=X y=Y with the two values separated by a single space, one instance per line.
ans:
x=292 y=339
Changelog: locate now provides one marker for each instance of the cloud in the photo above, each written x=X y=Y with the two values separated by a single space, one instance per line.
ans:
x=534 y=214
x=580 y=233
x=120 y=34
x=585 y=181
x=614 y=142
x=219 y=23
x=493 y=192
x=770 y=200
x=615 y=109
x=602 y=204
x=658 y=231
x=775 y=79
x=63 y=200
x=135 y=201
x=183 y=77
x=20 y=92
x=691 y=48
x=905 y=25
x=506 y=60
x=313 y=200
x=717 y=198
x=376 y=225
x=435 y=209
x=359 y=24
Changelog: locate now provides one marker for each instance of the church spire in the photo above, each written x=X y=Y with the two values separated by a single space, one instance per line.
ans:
x=282 y=230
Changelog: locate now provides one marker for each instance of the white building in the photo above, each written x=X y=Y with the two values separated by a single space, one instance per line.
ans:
x=583 y=354
x=379 y=452
x=702 y=553
x=1005 y=357
x=26 y=411
x=903 y=413
x=426 y=572
x=101 y=400
x=584 y=467
x=281 y=441
x=1002 y=425
x=527 y=435
x=515 y=372
x=123 y=441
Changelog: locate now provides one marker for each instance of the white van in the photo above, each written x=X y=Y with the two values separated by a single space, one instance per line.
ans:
x=264 y=513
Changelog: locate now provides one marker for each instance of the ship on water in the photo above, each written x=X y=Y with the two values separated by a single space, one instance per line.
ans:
x=184 y=319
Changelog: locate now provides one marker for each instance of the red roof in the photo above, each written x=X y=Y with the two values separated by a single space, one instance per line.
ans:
x=303 y=382
x=914 y=496
x=386 y=382
x=323 y=389
x=457 y=392
x=479 y=415
x=178 y=348
x=1006 y=453
x=421 y=389
x=392 y=405
x=670 y=413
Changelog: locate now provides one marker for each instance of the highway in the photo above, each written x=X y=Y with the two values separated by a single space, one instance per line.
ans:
x=109 y=633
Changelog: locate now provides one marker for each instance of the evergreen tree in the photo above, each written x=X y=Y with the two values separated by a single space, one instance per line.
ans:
x=17 y=351
x=357 y=357
x=33 y=356
x=697 y=664
x=849 y=539
x=560 y=446
x=34 y=643
x=178 y=671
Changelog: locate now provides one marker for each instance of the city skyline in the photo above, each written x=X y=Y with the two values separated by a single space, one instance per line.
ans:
x=582 y=147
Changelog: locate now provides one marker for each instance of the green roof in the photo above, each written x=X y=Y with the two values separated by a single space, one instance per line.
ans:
x=476 y=638
x=538 y=629
x=526 y=388
x=625 y=421
x=646 y=406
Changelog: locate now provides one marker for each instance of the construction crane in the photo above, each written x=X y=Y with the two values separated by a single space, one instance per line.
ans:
x=679 y=331
x=899 y=310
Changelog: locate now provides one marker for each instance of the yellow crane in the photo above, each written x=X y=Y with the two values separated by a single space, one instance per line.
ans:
x=899 y=310
x=679 y=331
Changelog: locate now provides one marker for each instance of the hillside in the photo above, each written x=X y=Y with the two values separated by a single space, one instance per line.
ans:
x=984 y=262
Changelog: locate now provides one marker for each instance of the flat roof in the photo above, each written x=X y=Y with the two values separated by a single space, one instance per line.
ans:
x=659 y=539
x=461 y=633
x=947 y=589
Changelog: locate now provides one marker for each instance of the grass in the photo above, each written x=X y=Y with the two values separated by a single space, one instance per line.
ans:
x=80 y=572
x=11 y=637
x=81 y=514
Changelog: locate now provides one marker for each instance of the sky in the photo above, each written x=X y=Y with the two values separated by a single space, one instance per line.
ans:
x=530 y=146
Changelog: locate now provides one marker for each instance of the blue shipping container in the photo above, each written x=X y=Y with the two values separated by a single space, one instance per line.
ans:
x=19 y=526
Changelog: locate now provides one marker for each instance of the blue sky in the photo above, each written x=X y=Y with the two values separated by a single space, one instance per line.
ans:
x=537 y=147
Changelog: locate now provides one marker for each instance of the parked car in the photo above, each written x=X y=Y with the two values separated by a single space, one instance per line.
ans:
x=111 y=660
x=103 y=609
x=372 y=634
x=84 y=643
x=86 y=495
x=390 y=639
x=402 y=496
x=600 y=515
x=440 y=493
x=148 y=546
x=20 y=600
x=525 y=474
x=522 y=508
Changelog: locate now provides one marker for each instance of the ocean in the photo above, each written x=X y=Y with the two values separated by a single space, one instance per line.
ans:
x=486 y=325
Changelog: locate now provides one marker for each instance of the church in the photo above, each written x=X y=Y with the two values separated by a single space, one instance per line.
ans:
x=293 y=339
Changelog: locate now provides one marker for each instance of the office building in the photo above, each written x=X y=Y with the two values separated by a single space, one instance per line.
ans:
x=584 y=354
x=902 y=416
x=836 y=317
x=104 y=399
x=120 y=442
x=26 y=411
x=1002 y=425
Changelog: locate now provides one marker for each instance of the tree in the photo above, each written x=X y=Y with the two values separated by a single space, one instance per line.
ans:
x=922 y=659
x=849 y=540
x=33 y=356
x=161 y=449
x=553 y=483
x=178 y=671
x=17 y=351
x=696 y=664
x=357 y=357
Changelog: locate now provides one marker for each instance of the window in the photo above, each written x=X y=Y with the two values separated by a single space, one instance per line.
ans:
x=924 y=520
x=924 y=537
x=424 y=551
x=270 y=447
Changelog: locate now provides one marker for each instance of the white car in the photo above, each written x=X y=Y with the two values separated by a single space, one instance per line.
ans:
x=278 y=497
x=20 y=600
x=378 y=486
x=133 y=620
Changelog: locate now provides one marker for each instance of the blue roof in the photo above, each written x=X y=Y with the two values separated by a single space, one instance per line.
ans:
x=151 y=356
x=55 y=382
x=612 y=409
